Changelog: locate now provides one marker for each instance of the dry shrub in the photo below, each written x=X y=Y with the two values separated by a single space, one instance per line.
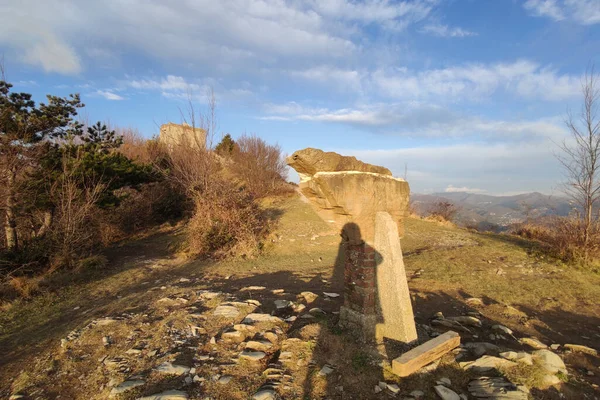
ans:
x=443 y=210
x=25 y=286
x=135 y=146
x=226 y=221
x=562 y=237
x=260 y=166
x=141 y=208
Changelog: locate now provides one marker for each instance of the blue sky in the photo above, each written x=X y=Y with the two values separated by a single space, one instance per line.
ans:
x=469 y=95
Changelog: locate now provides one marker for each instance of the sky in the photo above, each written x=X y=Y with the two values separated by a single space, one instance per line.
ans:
x=454 y=95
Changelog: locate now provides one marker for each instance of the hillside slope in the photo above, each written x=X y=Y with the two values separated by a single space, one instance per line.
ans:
x=152 y=297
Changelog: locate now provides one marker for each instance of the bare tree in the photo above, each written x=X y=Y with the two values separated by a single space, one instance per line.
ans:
x=581 y=155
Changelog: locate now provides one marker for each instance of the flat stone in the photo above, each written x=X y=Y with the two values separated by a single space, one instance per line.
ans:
x=445 y=394
x=309 y=296
x=582 y=349
x=252 y=289
x=316 y=311
x=393 y=388
x=502 y=328
x=173 y=369
x=481 y=348
x=167 y=395
x=256 y=317
x=252 y=355
x=326 y=370
x=226 y=311
x=474 y=301
x=496 y=388
x=417 y=394
x=332 y=295
x=486 y=363
x=533 y=343
x=125 y=386
x=550 y=361
x=466 y=320
x=509 y=355
x=282 y=304
x=260 y=345
x=265 y=394
x=225 y=379
x=234 y=336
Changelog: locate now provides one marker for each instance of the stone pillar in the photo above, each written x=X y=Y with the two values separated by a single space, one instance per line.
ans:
x=359 y=312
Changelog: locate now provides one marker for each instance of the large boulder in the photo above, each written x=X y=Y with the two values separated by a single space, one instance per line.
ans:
x=345 y=190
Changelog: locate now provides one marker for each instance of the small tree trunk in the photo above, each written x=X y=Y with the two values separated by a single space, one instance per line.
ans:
x=48 y=218
x=10 y=226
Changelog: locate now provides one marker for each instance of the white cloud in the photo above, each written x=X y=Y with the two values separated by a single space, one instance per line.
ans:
x=473 y=81
x=108 y=95
x=342 y=78
x=446 y=31
x=168 y=83
x=454 y=189
x=493 y=168
x=585 y=12
x=415 y=119
x=52 y=54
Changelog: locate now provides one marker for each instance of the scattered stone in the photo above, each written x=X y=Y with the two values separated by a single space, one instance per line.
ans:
x=173 y=369
x=550 y=380
x=581 y=349
x=509 y=355
x=377 y=389
x=252 y=355
x=466 y=320
x=282 y=304
x=208 y=295
x=261 y=345
x=503 y=329
x=264 y=394
x=393 y=388
x=277 y=291
x=226 y=311
x=417 y=394
x=486 y=363
x=446 y=394
x=298 y=307
x=550 y=361
x=444 y=381
x=233 y=336
x=481 y=348
x=533 y=343
x=168 y=395
x=326 y=370
x=252 y=288
x=438 y=315
x=309 y=296
x=332 y=295
x=125 y=386
x=256 y=317
x=183 y=280
x=106 y=341
x=316 y=311
x=474 y=301
x=496 y=388
x=450 y=324
x=225 y=379
x=555 y=346
x=253 y=302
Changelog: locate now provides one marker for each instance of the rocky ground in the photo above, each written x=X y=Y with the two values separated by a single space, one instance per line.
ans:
x=155 y=327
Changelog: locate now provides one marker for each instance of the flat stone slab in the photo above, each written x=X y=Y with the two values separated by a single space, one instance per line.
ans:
x=252 y=355
x=168 y=395
x=415 y=359
x=173 y=369
x=255 y=317
x=125 y=386
x=487 y=363
x=226 y=311
x=581 y=349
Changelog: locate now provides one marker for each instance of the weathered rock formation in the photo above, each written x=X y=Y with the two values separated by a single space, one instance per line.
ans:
x=344 y=189
x=182 y=135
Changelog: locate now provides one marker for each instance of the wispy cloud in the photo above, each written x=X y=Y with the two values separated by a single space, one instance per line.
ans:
x=454 y=189
x=585 y=12
x=446 y=31
x=109 y=95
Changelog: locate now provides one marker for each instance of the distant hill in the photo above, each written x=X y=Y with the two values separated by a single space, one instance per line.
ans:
x=494 y=212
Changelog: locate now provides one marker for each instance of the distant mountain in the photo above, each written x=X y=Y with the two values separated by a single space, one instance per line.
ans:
x=494 y=212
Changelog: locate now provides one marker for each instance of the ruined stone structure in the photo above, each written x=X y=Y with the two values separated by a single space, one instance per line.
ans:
x=344 y=189
x=368 y=205
x=182 y=135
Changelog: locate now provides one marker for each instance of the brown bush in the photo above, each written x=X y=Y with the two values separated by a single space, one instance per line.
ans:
x=226 y=222
x=135 y=146
x=260 y=166
x=562 y=237
x=443 y=210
